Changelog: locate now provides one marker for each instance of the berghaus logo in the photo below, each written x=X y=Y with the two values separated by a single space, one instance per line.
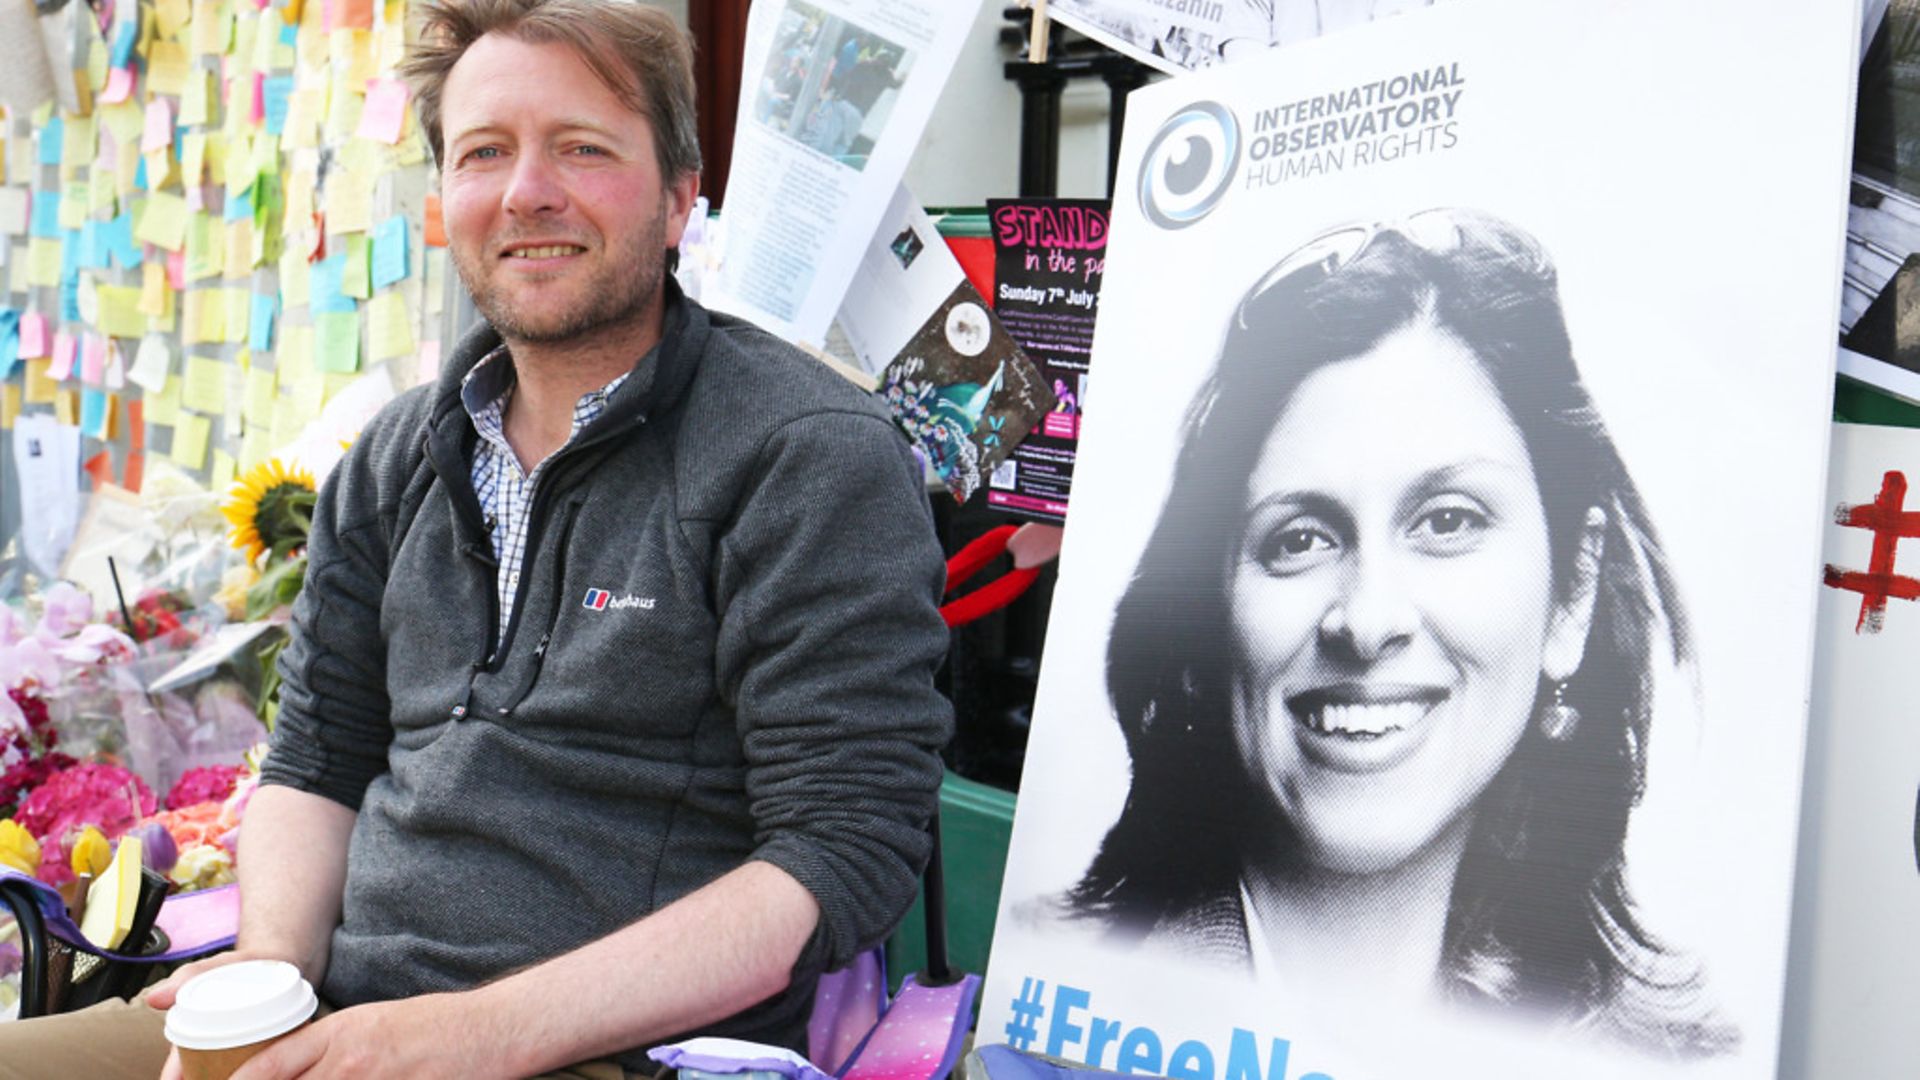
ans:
x=602 y=600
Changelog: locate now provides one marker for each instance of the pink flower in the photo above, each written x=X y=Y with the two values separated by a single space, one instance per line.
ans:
x=28 y=662
x=12 y=626
x=107 y=797
x=208 y=783
x=67 y=609
x=94 y=643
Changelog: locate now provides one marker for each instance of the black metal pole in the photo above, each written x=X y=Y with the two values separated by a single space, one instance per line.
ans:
x=1040 y=88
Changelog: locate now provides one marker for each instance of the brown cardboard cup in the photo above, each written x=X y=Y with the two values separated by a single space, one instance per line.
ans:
x=224 y=1016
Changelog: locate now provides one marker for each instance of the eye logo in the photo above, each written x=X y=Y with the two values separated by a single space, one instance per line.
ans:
x=1189 y=164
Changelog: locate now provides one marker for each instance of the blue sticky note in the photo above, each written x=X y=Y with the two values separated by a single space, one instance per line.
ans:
x=140 y=174
x=70 y=298
x=93 y=413
x=93 y=246
x=277 y=91
x=239 y=206
x=9 y=341
x=390 y=251
x=260 y=325
x=51 y=139
x=119 y=233
x=46 y=215
x=123 y=44
x=289 y=35
x=324 y=292
x=70 y=254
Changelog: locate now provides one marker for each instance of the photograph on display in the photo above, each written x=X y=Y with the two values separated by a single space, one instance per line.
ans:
x=830 y=84
x=1187 y=35
x=964 y=392
x=1416 y=706
x=1880 y=297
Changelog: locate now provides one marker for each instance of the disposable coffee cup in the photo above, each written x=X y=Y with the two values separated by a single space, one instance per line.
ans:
x=222 y=1017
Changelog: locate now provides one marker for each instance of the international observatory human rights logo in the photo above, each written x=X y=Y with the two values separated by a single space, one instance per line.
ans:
x=1192 y=159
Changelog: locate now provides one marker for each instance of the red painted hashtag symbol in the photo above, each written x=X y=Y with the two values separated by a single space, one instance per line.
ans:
x=1890 y=524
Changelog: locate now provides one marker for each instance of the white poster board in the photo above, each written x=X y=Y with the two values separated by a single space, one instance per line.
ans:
x=1186 y=35
x=1397 y=856
x=834 y=98
x=1855 y=970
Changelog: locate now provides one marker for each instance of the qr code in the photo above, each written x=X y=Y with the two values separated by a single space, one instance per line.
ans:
x=1003 y=475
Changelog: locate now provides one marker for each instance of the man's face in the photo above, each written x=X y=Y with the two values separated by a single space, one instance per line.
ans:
x=556 y=213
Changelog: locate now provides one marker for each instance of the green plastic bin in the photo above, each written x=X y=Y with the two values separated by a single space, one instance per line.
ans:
x=976 y=821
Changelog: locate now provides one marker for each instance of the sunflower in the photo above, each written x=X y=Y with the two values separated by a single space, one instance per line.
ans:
x=271 y=510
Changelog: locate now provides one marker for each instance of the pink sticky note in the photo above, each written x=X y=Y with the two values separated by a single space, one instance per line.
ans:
x=33 y=336
x=93 y=359
x=429 y=368
x=177 y=270
x=385 y=111
x=62 y=365
x=158 y=134
x=258 y=111
x=119 y=86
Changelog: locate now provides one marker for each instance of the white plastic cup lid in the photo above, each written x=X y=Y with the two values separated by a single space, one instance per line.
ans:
x=240 y=1003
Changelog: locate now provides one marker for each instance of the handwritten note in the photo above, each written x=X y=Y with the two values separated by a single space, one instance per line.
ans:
x=151 y=363
x=390 y=261
x=190 y=434
x=205 y=386
x=337 y=341
x=389 y=327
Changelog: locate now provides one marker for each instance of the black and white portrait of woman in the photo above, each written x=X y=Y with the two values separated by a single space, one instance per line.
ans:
x=1385 y=668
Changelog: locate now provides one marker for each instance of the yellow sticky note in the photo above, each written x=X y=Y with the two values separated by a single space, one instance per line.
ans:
x=43 y=262
x=163 y=408
x=239 y=249
x=20 y=274
x=257 y=445
x=153 y=288
x=125 y=119
x=204 y=317
x=66 y=406
x=205 y=385
x=38 y=389
x=261 y=393
x=239 y=304
x=389 y=327
x=212 y=27
x=244 y=24
x=120 y=314
x=172 y=16
x=78 y=139
x=349 y=203
x=194 y=98
x=295 y=279
x=73 y=206
x=239 y=106
x=304 y=110
x=190 y=440
x=343 y=111
x=204 y=242
x=9 y=405
x=221 y=476
x=294 y=360
x=299 y=192
x=101 y=193
x=164 y=221
x=289 y=418
x=193 y=159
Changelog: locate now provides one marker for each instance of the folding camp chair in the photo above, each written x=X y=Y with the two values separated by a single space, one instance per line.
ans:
x=61 y=970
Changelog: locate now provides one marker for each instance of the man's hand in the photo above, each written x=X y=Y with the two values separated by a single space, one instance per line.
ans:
x=434 y=1035
x=161 y=995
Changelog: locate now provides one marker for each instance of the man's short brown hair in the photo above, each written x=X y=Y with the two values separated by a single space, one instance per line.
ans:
x=638 y=51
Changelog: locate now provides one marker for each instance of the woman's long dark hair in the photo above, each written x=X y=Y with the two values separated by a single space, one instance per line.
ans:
x=1540 y=915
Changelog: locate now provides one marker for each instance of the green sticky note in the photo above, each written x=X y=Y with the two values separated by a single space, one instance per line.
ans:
x=163 y=222
x=336 y=341
x=356 y=280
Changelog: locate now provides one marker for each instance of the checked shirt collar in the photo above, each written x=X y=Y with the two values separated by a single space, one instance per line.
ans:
x=505 y=492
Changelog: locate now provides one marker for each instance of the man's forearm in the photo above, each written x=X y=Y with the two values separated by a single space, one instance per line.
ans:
x=702 y=958
x=293 y=872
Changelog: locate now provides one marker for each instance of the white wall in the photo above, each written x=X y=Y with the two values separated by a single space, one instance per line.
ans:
x=971 y=151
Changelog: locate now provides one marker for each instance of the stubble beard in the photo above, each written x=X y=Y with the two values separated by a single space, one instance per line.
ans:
x=624 y=292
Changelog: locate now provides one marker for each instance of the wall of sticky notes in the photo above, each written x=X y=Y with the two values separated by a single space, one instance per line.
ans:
x=229 y=231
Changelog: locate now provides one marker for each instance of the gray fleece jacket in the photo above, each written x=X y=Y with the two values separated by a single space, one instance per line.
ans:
x=722 y=649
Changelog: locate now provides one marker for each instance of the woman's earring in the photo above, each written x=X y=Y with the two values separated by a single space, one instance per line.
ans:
x=1560 y=719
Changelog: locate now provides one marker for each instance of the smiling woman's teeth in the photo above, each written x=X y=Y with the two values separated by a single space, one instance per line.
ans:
x=546 y=252
x=1365 y=720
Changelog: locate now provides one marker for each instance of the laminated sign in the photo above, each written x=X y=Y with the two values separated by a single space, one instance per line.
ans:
x=1427 y=699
